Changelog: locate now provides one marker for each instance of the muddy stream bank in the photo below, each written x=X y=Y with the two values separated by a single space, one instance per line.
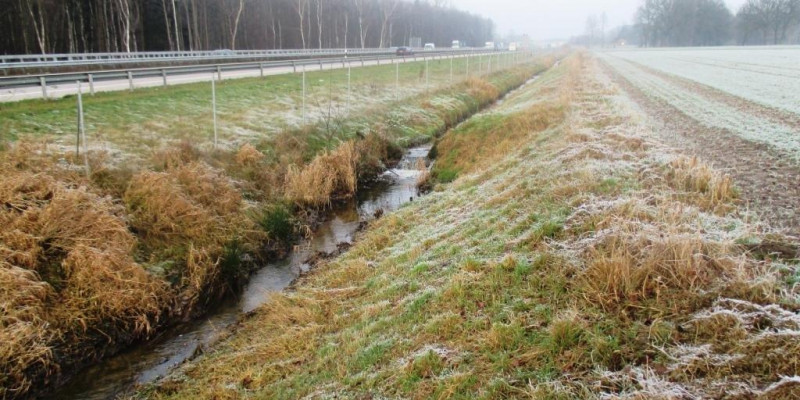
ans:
x=150 y=361
x=146 y=363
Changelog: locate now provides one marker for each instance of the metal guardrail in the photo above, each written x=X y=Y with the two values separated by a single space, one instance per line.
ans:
x=43 y=80
x=11 y=62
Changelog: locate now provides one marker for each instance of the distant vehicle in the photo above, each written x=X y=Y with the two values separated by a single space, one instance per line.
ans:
x=489 y=45
x=430 y=46
x=512 y=46
x=404 y=51
x=456 y=44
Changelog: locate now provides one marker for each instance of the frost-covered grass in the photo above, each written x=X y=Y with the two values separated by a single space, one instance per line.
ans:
x=133 y=124
x=574 y=259
x=707 y=110
x=767 y=75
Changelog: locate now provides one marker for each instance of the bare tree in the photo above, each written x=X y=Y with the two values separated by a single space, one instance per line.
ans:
x=388 y=7
x=300 y=8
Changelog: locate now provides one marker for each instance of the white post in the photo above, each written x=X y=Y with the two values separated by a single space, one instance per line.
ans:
x=82 y=128
x=91 y=84
x=451 y=69
x=304 y=94
x=347 y=108
x=164 y=76
x=130 y=80
x=44 y=86
x=214 y=107
x=426 y=74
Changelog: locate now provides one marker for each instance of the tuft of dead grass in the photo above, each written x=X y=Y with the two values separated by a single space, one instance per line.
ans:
x=329 y=174
x=712 y=190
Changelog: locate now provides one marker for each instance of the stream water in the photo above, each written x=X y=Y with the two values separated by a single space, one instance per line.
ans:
x=150 y=361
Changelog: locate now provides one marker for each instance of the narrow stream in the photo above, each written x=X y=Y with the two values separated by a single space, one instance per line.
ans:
x=148 y=362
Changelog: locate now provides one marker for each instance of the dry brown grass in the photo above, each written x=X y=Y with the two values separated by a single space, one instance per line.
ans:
x=66 y=270
x=710 y=189
x=189 y=214
x=329 y=174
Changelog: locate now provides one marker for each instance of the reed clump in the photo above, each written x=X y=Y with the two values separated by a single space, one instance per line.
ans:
x=330 y=174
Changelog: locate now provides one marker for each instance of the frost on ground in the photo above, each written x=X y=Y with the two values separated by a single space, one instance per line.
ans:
x=586 y=259
x=758 y=146
x=767 y=75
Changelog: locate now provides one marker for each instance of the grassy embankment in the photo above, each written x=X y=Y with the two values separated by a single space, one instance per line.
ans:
x=88 y=264
x=132 y=125
x=572 y=256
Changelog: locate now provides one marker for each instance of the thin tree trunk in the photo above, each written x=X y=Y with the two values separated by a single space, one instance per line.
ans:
x=167 y=24
x=175 y=21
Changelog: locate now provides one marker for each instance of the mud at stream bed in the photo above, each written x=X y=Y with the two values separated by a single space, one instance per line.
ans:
x=152 y=360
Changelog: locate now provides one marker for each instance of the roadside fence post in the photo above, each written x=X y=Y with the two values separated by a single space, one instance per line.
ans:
x=214 y=107
x=130 y=80
x=261 y=68
x=294 y=67
x=44 y=86
x=91 y=84
x=347 y=106
x=82 y=128
x=164 y=76
x=451 y=69
x=320 y=64
x=427 y=85
x=304 y=94
x=219 y=73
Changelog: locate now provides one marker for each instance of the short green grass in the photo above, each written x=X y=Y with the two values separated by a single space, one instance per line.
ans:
x=249 y=109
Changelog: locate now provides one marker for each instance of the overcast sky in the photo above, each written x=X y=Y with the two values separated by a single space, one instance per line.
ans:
x=554 y=19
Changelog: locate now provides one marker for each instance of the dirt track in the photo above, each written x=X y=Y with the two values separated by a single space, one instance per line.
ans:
x=768 y=180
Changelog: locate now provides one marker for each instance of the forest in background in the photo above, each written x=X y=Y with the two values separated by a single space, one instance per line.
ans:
x=680 y=23
x=78 y=26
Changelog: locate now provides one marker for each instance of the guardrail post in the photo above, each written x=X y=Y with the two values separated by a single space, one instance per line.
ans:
x=294 y=67
x=320 y=64
x=164 y=76
x=130 y=80
x=219 y=73
x=261 y=68
x=43 y=82
x=362 y=61
x=91 y=84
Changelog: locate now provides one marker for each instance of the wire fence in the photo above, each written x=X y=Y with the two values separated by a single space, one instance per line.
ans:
x=309 y=96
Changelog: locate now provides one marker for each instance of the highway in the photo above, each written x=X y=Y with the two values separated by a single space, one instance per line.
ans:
x=60 y=85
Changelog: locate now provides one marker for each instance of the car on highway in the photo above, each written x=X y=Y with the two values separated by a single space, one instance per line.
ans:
x=430 y=46
x=404 y=51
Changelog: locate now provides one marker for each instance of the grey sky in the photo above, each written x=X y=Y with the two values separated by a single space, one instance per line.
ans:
x=553 y=19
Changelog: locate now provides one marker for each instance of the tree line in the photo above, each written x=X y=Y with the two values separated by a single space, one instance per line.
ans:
x=712 y=23
x=78 y=26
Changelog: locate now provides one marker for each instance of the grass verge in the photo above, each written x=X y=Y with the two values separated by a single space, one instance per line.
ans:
x=582 y=259
x=91 y=263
